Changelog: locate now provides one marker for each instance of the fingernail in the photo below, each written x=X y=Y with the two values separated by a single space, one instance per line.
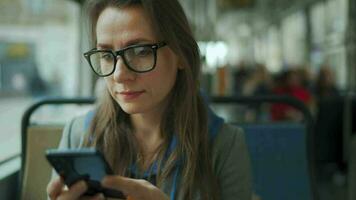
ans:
x=104 y=180
x=100 y=196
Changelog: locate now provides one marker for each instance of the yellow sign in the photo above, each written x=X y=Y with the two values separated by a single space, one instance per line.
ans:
x=19 y=50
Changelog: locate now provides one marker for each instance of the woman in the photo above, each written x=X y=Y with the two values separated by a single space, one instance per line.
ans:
x=152 y=124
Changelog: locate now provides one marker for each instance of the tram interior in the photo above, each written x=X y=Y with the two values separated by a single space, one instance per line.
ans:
x=248 y=48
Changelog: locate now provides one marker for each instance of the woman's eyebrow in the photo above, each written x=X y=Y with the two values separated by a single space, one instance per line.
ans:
x=126 y=44
x=137 y=41
x=103 y=46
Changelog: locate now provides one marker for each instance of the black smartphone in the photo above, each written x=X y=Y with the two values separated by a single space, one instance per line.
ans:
x=83 y=164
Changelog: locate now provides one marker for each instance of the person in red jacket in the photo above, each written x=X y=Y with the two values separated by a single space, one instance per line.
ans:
x=290 y=84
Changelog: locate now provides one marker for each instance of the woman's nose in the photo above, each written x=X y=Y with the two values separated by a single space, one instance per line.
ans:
x=122 y=73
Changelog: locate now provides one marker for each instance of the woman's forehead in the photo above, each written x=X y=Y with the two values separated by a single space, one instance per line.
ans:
x=122 y=25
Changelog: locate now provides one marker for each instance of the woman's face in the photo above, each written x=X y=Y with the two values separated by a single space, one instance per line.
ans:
x=136 y=93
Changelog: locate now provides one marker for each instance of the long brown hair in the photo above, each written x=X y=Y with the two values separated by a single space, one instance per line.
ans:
x=186 y=116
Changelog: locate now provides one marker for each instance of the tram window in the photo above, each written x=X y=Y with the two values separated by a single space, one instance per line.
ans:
x=39 y=56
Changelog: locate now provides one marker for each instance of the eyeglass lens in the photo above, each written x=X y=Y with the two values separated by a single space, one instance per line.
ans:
x=138 y=59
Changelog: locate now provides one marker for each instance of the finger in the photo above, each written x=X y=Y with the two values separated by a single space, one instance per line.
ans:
x=75 y=191
x=99 y=196
x=125 y=185
x=55 y=187
x=130 y=198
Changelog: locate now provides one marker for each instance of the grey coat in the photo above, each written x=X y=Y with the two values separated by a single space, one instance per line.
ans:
x=231 y=163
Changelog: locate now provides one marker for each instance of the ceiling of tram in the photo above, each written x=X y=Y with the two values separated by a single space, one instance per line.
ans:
x=203 y=14
x=270 y=10
x=195 y=7
x=260 y=4
x=206 y=14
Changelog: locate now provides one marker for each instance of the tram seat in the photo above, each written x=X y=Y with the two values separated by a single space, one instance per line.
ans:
x=277 y=154
x=279 y=161
x=281 y=153
x=37 y=171
x=36 y=138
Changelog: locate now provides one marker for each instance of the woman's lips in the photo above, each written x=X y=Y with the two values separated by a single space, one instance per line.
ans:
x=131 y=95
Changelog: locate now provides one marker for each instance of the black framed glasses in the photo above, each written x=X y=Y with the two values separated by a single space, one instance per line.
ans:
x=139 y=58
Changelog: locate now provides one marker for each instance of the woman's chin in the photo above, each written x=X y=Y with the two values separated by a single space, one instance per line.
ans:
x=131 y=109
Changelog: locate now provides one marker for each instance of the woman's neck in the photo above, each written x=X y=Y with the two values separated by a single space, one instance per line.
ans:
x=148 y=135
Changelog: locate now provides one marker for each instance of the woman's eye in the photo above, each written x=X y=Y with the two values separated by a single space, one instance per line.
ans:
x=106 y=56
x=143 y=51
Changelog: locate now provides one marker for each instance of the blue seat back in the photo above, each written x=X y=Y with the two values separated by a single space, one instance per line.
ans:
x=279 y=160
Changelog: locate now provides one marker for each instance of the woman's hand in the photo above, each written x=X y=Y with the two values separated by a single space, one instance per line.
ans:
x=133 y=188
x=56 y=191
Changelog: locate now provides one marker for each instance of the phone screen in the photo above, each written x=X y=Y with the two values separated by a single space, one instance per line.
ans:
x=74 y=164
x=92 y=166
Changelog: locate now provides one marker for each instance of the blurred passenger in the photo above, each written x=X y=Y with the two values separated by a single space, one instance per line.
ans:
x=258 y=82
x=37 y=84
x=239 y=78
x=306 y=76
x=325 y=84
x=152 y=123
x=329 y=121
x=290 y=84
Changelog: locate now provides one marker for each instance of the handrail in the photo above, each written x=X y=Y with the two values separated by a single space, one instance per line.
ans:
x=25 y=122
x=299 y=105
